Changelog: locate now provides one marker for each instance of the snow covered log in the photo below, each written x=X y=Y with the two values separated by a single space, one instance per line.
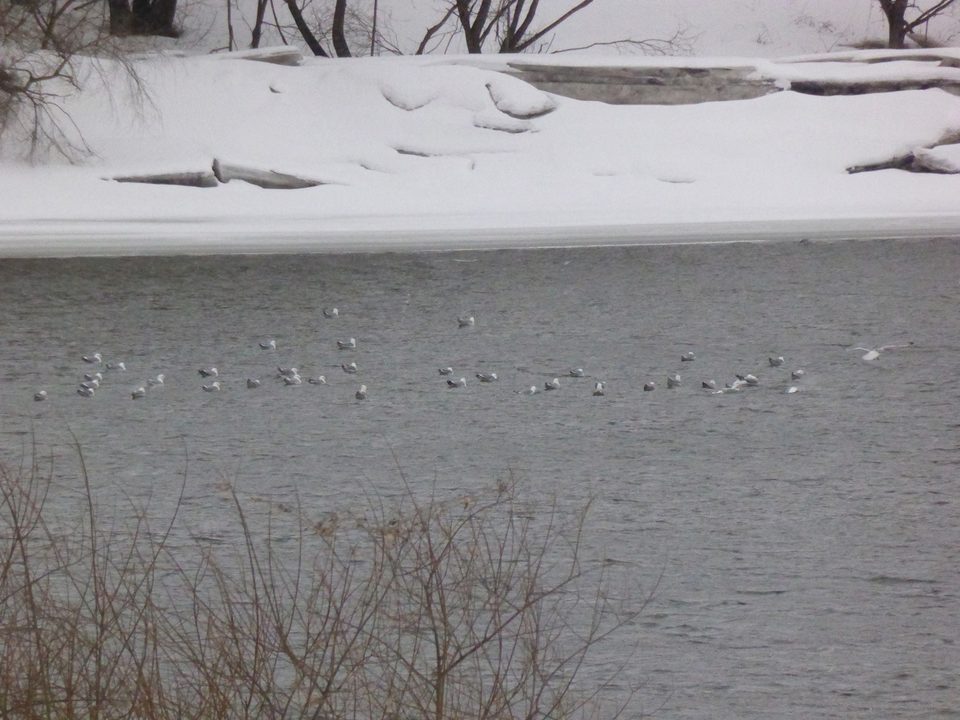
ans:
x=941 y=159
x=203 y=179
x=268 y=179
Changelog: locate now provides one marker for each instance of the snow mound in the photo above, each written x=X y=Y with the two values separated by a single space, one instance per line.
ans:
x=518 y=99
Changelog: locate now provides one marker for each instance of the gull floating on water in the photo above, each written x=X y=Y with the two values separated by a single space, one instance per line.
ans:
x=331 y=313
x=287 y=372
x=874 y=353
x=138 y=392
x=461 y=383
x=351 y=368
x=253 y=383
x=792 y=389
x=749 y=379
x=673 y=381
x=466 y=321
x=208 y=372
x=647 y=387
x=487 y=377
x=532 y=390
x=93 y=359
x=797 y=374
x=90 y=384
x=40 y=395
x=575 y=372
x=347 y=344
x=158 y=380
x=98 y=376
x=361 y=393
x=318 y=380
x=709 y=384
x=598 y=388
x=212 y=387
x=552 y=384
x=116 y=366
x=446 y=371
x=688 y=357
x=776 y=361
x=268 y=345
x=85 y=391
x=292 y=380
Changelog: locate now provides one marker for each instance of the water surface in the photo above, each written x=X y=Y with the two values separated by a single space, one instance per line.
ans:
x=807 y=543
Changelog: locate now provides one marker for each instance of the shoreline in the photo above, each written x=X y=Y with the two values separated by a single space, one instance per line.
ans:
x=108 y=237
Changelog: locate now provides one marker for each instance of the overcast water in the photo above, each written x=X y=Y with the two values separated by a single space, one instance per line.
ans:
x=807 y=543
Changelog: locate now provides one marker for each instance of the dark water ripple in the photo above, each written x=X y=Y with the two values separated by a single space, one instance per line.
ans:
x=807 y=545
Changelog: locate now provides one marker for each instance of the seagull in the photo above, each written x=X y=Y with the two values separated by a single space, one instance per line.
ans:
x=673 y=380
x=792 y=389
x=347 y=344
x=647 y=387
x=446 y=371
x=575 y=372
x=871 y=354
x=93 y=376
x=532 y=390
x=85 y=391
x=552 y=384
x=776 y=361
x=797 y=374
x=287 y=372
x=487 y=377
x=688 y=357
x=452 y=384
x=735 y=385
x=351 y=368
x=139 y=392
x=598 y=388
x=268 y=345
x=749 y=379
x=212 y=387
x=331 y=313
x=93 y=359
x=466 y=321
x=318 y=380
x=90 y=384
x=40 y=395
x=158 y=380
x=253 y=383
x=292 y=380
x=208 y=372
x=116 y=366
x=709 y=384
x=361 y=393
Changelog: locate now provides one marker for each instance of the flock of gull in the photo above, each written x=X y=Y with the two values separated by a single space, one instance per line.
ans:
x=210 y=382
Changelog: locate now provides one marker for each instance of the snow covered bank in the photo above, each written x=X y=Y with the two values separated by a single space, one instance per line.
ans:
x=428 y=152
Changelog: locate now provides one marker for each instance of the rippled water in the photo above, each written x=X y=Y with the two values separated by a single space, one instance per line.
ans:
x=808 y=544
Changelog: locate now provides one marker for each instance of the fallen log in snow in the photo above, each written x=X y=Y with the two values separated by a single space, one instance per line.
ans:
x=203 y=179
x=269 y=179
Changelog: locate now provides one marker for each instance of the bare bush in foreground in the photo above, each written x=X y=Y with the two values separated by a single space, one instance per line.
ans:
x=430 y=609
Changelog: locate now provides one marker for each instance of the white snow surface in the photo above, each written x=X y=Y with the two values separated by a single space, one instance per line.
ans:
x=440 y=152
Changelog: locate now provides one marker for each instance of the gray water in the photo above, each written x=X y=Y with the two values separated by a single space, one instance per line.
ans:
x=807 y=544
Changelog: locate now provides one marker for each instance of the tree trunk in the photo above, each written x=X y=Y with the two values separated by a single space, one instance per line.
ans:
x=895 y=11
x=258 y=24
x=121 y=19
x=339 y=37
x=308 y=37
x=143 y=17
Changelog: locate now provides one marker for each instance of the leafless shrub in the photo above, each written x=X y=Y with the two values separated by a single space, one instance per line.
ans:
x=480 y=609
